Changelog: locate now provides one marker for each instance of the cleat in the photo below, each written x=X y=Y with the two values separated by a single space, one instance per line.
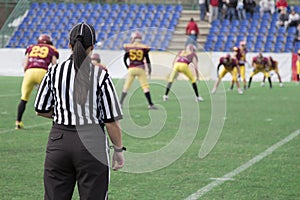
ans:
x=280 y=84
x=213 y=91
x=240 y=91
x=19 y=125
x=152 y=107
x=199 y=99
x=165 y=97
x=262 y=84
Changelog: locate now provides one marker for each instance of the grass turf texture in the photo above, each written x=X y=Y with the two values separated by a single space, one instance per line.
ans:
x=254 y=121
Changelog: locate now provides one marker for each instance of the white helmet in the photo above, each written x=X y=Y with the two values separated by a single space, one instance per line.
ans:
x=135 y=36
x=191 y=48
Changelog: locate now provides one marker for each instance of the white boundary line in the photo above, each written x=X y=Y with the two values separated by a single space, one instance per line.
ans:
x=26 y=128
x=243 y=167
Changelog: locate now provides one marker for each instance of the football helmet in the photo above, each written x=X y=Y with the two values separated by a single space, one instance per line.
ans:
x=191 y=48
x=96 y=57
x=242 y=43
x=235 y=49
x=135 y=36
x=45 y=39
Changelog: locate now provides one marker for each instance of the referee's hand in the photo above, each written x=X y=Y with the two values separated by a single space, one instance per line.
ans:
x=118 y=160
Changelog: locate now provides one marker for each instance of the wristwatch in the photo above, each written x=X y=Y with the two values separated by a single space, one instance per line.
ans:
x=120 y=150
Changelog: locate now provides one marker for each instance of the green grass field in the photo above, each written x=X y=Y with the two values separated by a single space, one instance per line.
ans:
x=162 y=161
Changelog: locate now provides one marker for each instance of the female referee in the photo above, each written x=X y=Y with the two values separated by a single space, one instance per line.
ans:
x=81 y=99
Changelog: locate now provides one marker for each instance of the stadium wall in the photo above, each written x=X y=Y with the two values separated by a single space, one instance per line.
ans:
x=12 y=59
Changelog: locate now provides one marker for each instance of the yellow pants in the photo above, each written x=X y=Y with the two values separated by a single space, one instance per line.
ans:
x=140 y=74
x=32 y=77
x=182 y=68
x=233 y=73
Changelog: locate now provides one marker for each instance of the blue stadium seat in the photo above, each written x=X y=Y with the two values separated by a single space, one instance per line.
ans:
x=288 y=47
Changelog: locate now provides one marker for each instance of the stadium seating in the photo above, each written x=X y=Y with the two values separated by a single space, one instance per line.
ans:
x=112 y=24
x=259 y=32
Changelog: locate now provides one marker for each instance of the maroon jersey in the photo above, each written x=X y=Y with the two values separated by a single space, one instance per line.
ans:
x=228 y=63
x=273 y=64
x=137 y=53
x=260 y=63
x=186 y=56
x=40 y=55
x=241 y=56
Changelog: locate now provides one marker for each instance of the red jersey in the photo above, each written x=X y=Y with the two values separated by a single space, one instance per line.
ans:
x=137 y=53
x=186 y=56
x=241 y=56
x=260 y=63
x=229 y=65
x=40 y=55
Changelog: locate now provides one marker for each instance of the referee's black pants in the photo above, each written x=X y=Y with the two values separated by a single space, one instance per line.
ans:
x=68 y=160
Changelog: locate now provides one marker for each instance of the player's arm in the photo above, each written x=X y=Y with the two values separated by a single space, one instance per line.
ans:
x=25 y=64
x=54 y=60
x=218 y=68
x=126 y=56
x=148 y=63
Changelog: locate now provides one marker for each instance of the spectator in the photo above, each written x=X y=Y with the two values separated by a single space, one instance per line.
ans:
x=241 y=10
x=283 y=19
x=266 y=6
x=222 y=7
x=203 y=10
x=297 y=35
x=250 y=6
x=293 y=18
x=231 y=9
x=280 y=5
x=192 y=31
x=213 y=10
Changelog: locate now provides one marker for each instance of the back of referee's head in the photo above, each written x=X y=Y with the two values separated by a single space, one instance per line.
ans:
x=83 y=33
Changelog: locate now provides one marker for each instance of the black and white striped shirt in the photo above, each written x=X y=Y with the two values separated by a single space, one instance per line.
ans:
x=56 y=92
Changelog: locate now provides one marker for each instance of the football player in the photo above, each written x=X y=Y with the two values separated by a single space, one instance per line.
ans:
x=272 y=66
x=138 y=55
x=38 y=58
x=181 y=63
x=298 y=67
x=240 y=54
x=260 y=64
x=230 y=65
x=96 y=60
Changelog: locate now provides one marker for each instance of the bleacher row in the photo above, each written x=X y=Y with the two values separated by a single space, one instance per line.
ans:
x=113 y=23
x=259 y=32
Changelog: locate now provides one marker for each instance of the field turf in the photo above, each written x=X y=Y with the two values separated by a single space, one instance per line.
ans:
x=177 y=150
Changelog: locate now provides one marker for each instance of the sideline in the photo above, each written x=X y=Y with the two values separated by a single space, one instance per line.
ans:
x=243 y=167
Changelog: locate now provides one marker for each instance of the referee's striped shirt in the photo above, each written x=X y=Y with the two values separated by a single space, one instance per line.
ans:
x=56 y=92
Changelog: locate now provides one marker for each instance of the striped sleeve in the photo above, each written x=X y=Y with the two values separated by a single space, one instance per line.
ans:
x=109 y=103
x=44 y=98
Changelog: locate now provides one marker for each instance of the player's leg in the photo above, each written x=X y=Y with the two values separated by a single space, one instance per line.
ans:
x=171 y=79
x=186 y=71
x=222 y=73
x=266 y=74
x=127 y=84
x=243 y=76
x=141 y=75
x=27 y=87
x=251 y=76
x=235 y=80
x=279 y=77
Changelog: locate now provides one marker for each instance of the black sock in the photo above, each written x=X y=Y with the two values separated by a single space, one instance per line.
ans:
x=123 y=97
x=148 y=96
x=298 y=75
x=195 y=89
x=231 y=87
x=249 y=82
x=270 y=82
x=168 y=88
x=21 y=109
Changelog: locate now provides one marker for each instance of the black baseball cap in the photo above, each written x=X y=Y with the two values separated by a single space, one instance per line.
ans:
x=83 y=32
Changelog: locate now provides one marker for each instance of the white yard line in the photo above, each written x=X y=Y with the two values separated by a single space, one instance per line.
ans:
x=26 y=128
x=243 y=167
